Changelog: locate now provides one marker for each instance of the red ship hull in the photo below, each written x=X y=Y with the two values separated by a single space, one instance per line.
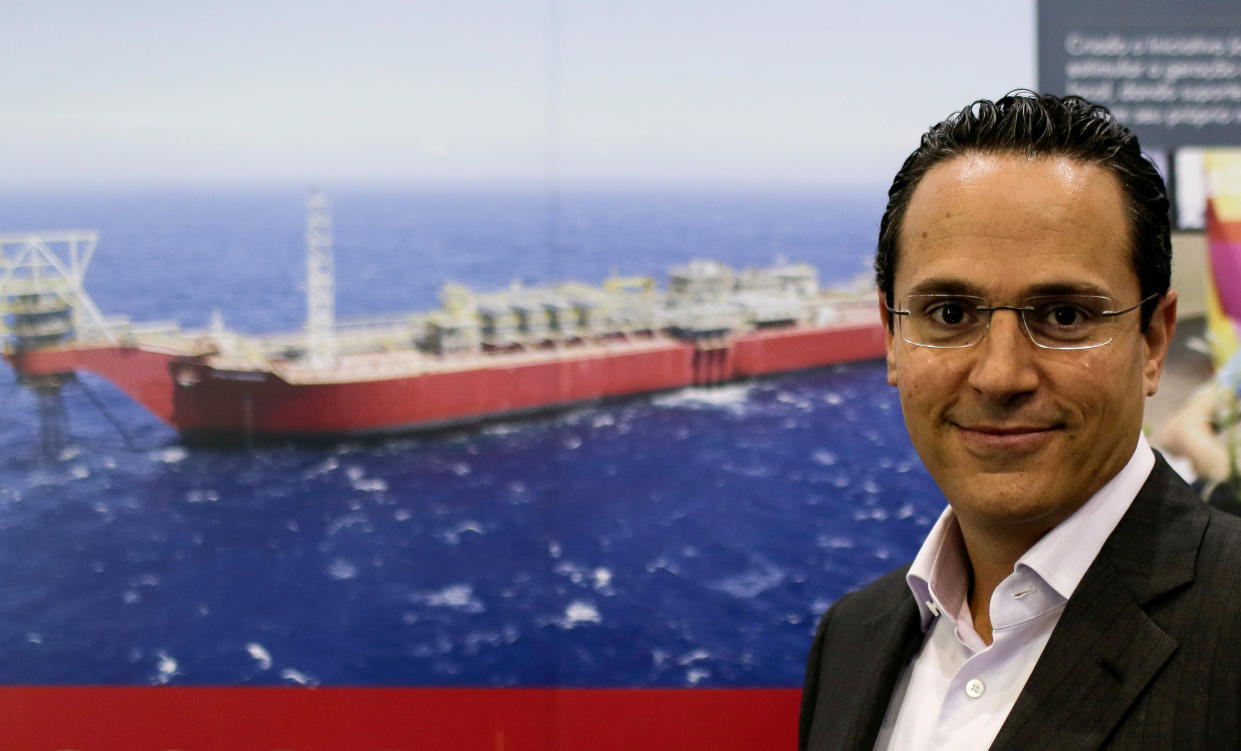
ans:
x=205 y=401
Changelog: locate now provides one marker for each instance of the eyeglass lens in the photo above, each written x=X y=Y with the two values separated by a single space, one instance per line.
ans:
x=1051 y=321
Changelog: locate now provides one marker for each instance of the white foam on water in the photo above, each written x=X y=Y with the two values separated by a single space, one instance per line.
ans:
x=871 y=514
x=575 y=572
x=698 y=655
x=453 y=535
x=696 y=675
x=572 y=442
x=34 y=638
x=172 y=454
x=833 y=542
x=202 y=496
x=165 y=667
x=662 y=563
x=906 y=511
x=793 y=400
x=79 y=472
x=751 y=583
x=298 y=677
x=260 y=655
x=825 y=458
x=603 y=579
x=330 y=464
x=501 y=428
x=371 y=485
x=580 y=612
x=341 y=569
x=603 y=421
x=732 y=397
x=752 y=470
x=344 y=522
x=459 y=597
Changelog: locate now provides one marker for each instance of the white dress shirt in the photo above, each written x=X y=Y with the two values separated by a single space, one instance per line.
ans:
x=957 y=691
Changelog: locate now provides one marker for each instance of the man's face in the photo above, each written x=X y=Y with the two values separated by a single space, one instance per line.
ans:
x=1016 y=436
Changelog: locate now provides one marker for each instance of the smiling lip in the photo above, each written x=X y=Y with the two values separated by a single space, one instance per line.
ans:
x=1006 y=437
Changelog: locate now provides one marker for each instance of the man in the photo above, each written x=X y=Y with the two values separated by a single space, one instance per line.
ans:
x=1075 y=594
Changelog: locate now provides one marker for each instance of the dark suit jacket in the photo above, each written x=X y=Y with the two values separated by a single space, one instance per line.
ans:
x=1147 y=654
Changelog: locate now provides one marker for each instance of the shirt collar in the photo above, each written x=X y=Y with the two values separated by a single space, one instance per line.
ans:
x=938 y=577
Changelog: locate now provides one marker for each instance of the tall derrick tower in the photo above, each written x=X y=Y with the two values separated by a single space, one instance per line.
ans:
x=43 y=305
x=320 y=281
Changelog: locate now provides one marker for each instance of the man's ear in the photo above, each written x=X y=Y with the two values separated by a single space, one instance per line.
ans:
x=1158 y=336
x=886 y=317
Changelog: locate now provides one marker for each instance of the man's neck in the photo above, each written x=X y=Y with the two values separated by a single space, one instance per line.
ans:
x=991 y=559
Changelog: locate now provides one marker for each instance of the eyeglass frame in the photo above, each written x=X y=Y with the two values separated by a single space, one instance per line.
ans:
x=1021 y=311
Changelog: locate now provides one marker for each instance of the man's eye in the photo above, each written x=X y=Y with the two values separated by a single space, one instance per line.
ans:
x=1064 y=315
x=948 y=313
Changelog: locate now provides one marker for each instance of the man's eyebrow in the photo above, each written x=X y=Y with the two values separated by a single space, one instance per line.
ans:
x=946 y=286
x=1067 y=288
x=955 y=286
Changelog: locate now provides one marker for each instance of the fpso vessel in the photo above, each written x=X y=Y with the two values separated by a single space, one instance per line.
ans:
x=480 y=357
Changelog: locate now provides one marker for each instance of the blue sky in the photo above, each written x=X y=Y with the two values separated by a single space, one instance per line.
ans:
x=718 y=91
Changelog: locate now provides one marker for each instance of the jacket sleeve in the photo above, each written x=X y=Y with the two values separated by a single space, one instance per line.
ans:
x=810 y=688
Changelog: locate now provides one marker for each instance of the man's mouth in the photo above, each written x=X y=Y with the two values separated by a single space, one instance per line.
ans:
x=1006 y=437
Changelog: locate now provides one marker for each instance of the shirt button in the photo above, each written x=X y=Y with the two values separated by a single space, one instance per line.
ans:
x=974 y=689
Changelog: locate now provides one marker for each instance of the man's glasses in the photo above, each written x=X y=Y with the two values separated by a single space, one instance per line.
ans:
x=946 y=321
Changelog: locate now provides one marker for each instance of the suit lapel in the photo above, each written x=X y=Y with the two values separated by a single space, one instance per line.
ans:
x=859 y=675
x=899 y=635
x=1106 y=649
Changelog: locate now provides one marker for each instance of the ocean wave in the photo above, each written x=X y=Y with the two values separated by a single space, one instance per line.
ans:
x=453 y=535
x=342 y=570
x=359 y=481
x=172 y=454
x=458 y=597
x=751 y=583
x=344 y=522
x=825 y=458
x=796 y=401
x=732 y=397
x=327 y=466
x=165 y=668
x=260 y=655
x=579 y=613
x=289 y=675
x=870 y=514
x=697 y=655
x=695 y=676
x=834 y=542
x=201 y=496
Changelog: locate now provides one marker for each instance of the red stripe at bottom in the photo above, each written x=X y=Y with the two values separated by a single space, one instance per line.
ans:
x=343 y=719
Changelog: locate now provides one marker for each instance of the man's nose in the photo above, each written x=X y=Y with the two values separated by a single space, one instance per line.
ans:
x=1004 y=360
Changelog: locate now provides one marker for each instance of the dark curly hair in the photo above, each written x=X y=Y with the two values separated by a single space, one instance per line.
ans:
x=1041 y=125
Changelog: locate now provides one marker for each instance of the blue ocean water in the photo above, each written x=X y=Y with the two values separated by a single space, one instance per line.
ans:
x=685 y=539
